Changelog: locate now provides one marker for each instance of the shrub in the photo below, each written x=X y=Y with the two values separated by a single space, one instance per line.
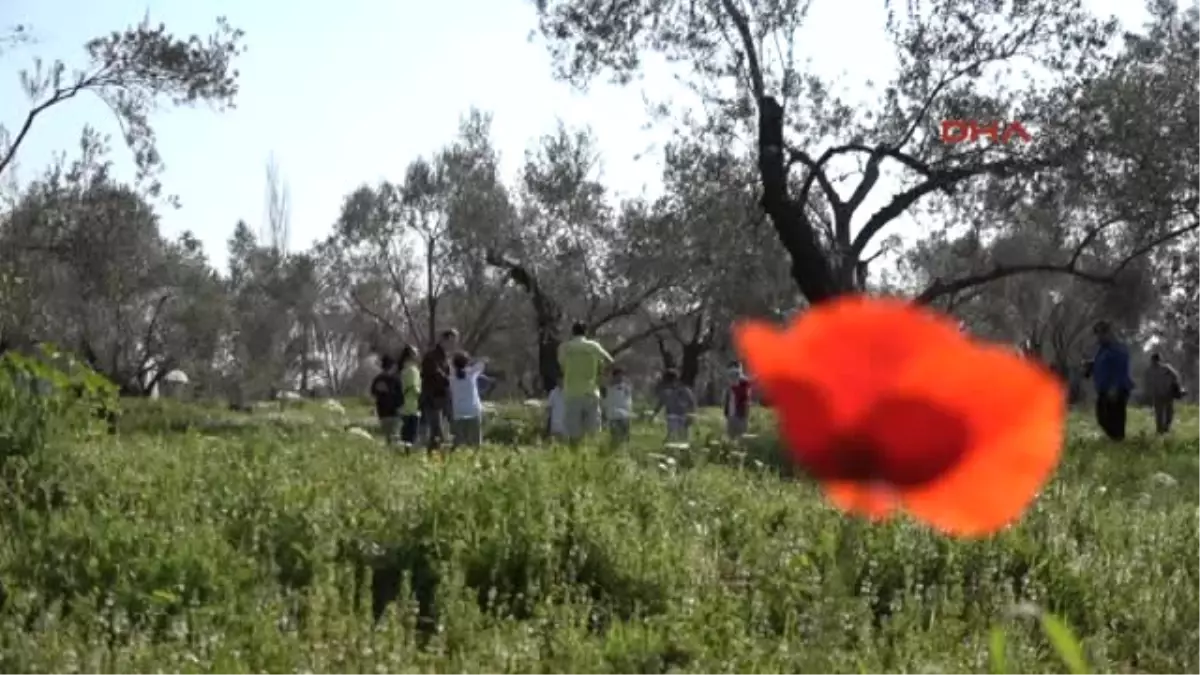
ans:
x=45 y=393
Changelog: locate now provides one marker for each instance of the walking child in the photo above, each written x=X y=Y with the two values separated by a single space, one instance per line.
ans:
x=737 y=404
x=1163 y=388
x=678 y=403
x=388 y=394
x=410 y=387
x=467 y=426
x=618 y=406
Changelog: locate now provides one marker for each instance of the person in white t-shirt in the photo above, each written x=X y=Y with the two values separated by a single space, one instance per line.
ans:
x=467 y=425
x=558 y=413
x=618 y=406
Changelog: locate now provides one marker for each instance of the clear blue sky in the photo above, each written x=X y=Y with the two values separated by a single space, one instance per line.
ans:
x=351 y=92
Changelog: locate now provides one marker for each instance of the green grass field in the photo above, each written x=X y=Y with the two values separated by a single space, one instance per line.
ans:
x=199 y=540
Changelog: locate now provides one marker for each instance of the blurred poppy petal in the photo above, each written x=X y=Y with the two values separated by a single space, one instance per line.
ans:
x=848 y=349
x=1015 y=413
x=912 y=440
x=874 y=501
x=807 y=428
x=828 y=370
x=889 y=404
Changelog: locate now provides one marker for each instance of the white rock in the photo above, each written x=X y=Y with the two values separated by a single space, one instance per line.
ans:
x=176 y=377
x=361 y=433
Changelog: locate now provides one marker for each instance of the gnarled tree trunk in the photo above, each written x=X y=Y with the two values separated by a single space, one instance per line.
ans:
x=546 y=315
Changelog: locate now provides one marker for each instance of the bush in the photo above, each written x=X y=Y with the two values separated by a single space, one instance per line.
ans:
x=46 y=393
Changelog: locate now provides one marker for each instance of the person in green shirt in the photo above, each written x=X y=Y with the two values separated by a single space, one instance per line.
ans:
x=581 y=360
x=410 y=384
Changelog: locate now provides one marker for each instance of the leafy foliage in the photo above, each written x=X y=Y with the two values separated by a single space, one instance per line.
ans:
x=133 y=71
x=45 y=395
x=275 y=549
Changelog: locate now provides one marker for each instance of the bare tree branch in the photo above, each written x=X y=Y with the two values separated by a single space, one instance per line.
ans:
x=940 y=288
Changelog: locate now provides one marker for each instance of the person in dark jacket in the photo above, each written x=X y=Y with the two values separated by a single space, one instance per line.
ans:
x=435 y=388
x=1110 y=374
x=388 y=395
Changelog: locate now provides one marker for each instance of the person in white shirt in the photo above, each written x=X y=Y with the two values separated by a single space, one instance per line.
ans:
x=467 y=425
x=618 y=406
x=558 y=413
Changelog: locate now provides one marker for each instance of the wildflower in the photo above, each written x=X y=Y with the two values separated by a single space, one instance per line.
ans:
x=891 y=407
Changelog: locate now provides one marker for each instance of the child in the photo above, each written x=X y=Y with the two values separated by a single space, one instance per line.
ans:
x=677 y=400
x=557 y=421
x=467 y=425
x=410 y=384
x=387 y=391
x=618 y=406
x=737 y=403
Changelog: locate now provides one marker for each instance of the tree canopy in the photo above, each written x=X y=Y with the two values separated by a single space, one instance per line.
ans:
x=776 y=193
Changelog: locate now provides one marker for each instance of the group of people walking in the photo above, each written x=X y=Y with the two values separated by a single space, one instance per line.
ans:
x=438 y=395
x=415 y=400
x=580 y=405
x=1109 y=369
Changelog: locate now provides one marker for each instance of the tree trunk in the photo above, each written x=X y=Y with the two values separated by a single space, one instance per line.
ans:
x=712 y=392
x=548 y=369
x=699 y=343
x=810 y=267
x=304 y=362
x=546 y=315
x=689 y=368
x=431 y=297
x=668 y=358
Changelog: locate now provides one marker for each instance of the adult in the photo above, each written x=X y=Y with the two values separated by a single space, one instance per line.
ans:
x=1162 y=387
x=1110 y=374
x=581 y=360
x=436 y=411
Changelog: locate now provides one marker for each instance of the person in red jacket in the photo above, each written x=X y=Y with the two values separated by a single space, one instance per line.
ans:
x=737 y=403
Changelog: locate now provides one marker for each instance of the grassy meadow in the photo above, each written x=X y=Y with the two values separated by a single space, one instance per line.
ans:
x=202 y=540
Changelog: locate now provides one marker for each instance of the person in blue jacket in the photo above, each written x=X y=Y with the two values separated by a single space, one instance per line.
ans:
x=1110 y=373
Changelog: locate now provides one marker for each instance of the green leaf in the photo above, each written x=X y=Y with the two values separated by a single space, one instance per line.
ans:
x=997 y=652
x=1064 y=643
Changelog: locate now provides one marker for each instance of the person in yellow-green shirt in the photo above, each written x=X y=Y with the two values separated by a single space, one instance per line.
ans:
x=410 y=384
x=581 y=360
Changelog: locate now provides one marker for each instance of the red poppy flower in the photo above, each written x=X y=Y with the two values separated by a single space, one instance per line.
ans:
x=890 y=406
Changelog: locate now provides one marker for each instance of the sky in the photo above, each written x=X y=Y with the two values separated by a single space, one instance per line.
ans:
x=351 y=93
